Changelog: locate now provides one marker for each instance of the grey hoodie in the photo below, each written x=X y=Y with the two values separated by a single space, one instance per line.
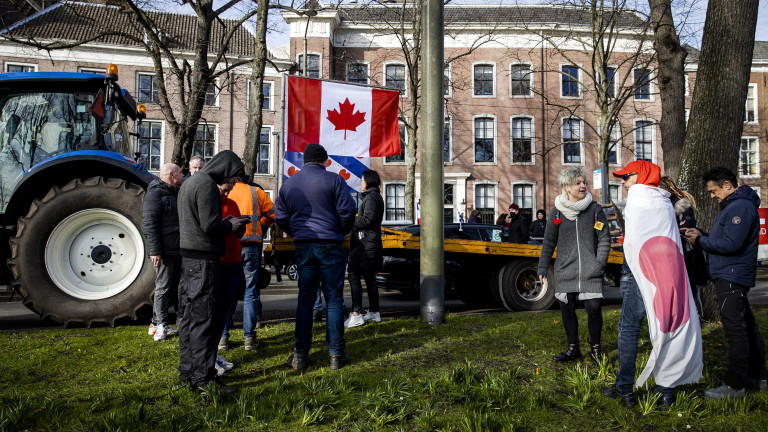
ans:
x=201 y=228
x=582 y=250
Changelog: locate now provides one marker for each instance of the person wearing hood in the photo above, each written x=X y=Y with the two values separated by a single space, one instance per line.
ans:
x=518 y=226
x=654 y=283
x=536 y=230
x=203 y=295
x=732 y=258
x=160 y=227
x=578 y=228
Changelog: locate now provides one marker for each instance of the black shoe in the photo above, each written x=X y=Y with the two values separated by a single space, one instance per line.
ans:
x=595 y=354
x=297 y=361
x=319 y=316
x=214 y=385
x=612 y=393
x=338 y=361
x=666 y=400
x=572 y=353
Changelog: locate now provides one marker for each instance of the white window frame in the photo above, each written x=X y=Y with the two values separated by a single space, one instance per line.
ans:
x=578 y=80
x=619 y=146
x=138 y=76
x=621 y=190
x=449 y=120
x=495 y=160
x=493 y=75
x=162 y=142
x=754 y=105
x=686 y=85
x=404 y=93
x=447 y=73
x=405 y=137
x=653 y=137
x=358 y=62
x=456 y=204
x=756 y=160
x=300 y=64
x=216 y=137
x=531 y=75
x=495 y=201
x=532 y=184
x=651 y=86
x=20 y=64
x=93 y=70
x=581 y=161
x=270 y=171
x=615 y=69
x=533 y=139
x=384 y=185
x=216 y=92
x=271 y=95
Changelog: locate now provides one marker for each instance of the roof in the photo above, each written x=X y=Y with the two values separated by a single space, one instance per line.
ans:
x=76 y=21
x=760 y=51
x=484 y=14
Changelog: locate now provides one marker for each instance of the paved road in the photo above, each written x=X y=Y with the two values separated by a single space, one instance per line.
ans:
x=279 y=301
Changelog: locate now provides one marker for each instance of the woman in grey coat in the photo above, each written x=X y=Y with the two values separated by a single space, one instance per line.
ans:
x=578 y=228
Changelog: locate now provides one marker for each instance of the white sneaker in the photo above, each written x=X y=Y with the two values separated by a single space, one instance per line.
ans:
x=354 y=321
x=220 y=370
x=151 y=330
x=372 y=316
x=161 y=332
x=221 y=363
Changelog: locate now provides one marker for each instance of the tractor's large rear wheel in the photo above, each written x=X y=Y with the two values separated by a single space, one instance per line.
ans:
x=78 y=255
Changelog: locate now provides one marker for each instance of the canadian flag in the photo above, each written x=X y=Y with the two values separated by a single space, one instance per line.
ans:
x=347 y=120
x=654 y=253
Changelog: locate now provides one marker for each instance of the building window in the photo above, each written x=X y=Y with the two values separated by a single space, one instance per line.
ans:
x=484 y=139
x=212 y=95
x=614 y=192
x=98 y=71
x=484 y=80
x=642 y=83
x=748 y=161
x=448 y=203
x=356 y=73
x=313 y=65
x=262 y=156
x=204 y=143
x=521 y=79
x=522 y=140
x=610 y=82
x=522 y=195
x=644 y=140
x=750 y=115
x=613 y=143
x=686 y=85
x=485 y=202
x=570 y=81
x=394 y=77
x=447 y=81
x=20 y=67
x=401 y=156
x=146 y=88
x=151 y=144
x=572 y=141
x=447 y=140
x=266 y=90
x=395 y=194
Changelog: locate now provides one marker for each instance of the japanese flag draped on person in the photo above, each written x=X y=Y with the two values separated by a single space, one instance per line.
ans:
x=346 y=119
x=653 y=250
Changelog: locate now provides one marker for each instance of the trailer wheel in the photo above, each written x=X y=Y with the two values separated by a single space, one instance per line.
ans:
x=519 y=288
x=78 y=255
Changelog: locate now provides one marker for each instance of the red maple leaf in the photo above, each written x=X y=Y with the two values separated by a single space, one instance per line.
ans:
x=345 y=119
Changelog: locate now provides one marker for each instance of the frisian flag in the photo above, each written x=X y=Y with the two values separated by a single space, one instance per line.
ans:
x=346 y=119
x=349 y=168
x=654 y=253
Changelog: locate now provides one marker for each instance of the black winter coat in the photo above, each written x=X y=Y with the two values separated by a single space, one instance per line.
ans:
x=161 y=219
x=518 y=230
x=365 y=249
x=537 y=228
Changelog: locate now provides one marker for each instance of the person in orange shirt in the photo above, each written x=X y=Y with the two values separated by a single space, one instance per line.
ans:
x=252 y=201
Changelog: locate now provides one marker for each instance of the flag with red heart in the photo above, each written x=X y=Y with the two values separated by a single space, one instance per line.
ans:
x=349 y=168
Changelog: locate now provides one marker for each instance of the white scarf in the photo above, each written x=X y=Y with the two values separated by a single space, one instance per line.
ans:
x=571 y=209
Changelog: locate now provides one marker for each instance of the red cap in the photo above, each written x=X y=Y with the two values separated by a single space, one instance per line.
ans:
x=648 y=173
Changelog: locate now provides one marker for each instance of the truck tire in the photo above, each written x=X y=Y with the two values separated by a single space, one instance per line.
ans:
x=79 y=256
x=519 y=290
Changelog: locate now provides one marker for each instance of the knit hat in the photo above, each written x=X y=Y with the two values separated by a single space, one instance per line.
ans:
x=315 y=153
x=514 y=207
x=648 y=173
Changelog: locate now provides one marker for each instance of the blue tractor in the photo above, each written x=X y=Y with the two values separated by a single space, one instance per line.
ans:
x=71 y=196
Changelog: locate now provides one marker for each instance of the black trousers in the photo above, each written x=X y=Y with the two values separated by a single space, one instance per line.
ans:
x=204 y=304
x=571 y=323
x=356 y=287
x=746 y=349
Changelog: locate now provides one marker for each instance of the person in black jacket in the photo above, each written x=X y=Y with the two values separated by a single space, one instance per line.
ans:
x=203 y=298
x=536 y=230
x=365 y=251
x=161 y=231
x=518 y=226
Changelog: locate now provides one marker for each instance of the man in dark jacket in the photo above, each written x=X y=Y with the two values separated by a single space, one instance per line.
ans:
x=161 y=231
x=732 y=250
x=316 y=209
x=203 y=296
x=536 y=230
x=518 y=226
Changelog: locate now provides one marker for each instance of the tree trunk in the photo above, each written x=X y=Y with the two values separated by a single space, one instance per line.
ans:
x=414 y=112
x=671 y=81
x=255 y=116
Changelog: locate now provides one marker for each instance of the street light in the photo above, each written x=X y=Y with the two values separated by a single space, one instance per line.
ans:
x=309 y=13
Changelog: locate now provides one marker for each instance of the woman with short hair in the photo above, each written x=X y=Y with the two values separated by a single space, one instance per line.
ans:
x=578 y=228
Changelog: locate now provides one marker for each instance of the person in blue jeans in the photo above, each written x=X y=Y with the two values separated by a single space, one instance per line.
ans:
x=316 y=209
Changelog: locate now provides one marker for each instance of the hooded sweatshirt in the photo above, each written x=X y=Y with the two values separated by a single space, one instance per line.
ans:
x=732 y=243
x=202 y=229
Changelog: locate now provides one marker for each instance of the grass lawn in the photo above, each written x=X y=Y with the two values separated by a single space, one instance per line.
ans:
x=474 y=373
